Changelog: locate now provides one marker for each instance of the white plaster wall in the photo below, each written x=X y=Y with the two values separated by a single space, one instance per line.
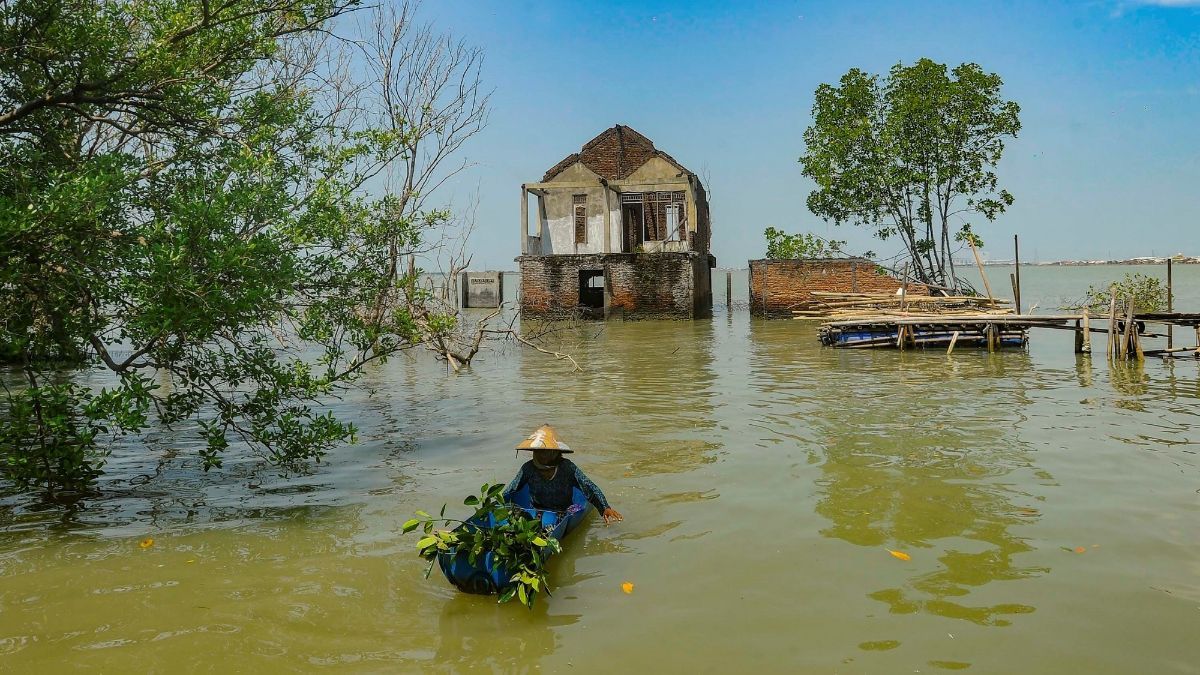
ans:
x=615 y=214
x=558 y=221
x=556 y=213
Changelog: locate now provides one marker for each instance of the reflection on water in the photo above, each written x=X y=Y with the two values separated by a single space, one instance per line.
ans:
x=647 y=386
x=1046 y=499
x=916 y=460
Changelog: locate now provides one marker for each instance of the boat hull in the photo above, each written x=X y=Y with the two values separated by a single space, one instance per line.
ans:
x=485 y=577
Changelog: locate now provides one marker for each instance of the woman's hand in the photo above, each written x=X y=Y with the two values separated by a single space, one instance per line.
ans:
x=610 y=515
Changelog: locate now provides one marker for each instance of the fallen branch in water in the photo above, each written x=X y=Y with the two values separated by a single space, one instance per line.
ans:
x=514 y=335
x=456 y=349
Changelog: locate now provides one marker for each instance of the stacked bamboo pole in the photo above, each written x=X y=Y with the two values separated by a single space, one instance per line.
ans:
x=838 y=306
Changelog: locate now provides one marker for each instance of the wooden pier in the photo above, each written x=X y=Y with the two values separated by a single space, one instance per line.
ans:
x=996 y=331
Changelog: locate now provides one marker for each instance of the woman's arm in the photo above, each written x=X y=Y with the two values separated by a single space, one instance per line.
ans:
x=515 y=484
x=595 y=495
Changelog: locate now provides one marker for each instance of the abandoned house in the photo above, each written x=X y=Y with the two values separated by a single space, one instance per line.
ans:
x=622 y=229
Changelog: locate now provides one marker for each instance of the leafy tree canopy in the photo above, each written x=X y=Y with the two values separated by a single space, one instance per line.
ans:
x=911 y=155
x=182 y=205
x=1148 y=294
x=780 y=244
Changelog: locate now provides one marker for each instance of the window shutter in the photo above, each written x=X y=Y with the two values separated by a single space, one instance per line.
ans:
x=580 y=202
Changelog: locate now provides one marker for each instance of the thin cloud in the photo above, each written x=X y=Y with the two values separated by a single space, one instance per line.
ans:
x=1129 y=5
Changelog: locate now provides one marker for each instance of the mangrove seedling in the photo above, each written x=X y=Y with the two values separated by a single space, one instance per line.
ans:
x=518 y=542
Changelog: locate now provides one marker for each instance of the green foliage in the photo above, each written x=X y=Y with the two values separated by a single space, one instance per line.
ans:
x=1149 y=294
x=911 y=155
x=176 y=201
x=803 y=245
x=519 y=543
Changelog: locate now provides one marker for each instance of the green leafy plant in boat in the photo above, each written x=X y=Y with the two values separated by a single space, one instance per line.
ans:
x=518 y=542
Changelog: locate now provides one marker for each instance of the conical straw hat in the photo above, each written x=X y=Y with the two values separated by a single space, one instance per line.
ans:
x=545 y=437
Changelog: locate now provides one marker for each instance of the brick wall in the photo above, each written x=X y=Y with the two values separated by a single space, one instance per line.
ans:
x=776 y=286
x=637 y=285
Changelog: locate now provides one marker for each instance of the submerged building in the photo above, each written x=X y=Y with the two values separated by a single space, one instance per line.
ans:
x=621 y=229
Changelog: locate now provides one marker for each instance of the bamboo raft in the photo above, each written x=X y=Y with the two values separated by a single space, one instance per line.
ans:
x=842 y=306
x=872 y=320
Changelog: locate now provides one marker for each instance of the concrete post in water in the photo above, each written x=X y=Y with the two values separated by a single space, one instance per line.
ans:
x=482 y=289
x=729 y=289
x=524 y=221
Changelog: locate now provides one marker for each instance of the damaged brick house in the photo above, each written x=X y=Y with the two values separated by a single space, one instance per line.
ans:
x=622 y=229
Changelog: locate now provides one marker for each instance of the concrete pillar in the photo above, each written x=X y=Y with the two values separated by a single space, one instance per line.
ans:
x=482 y=289
x=524 y=220
x=693 y=216
x=607 y=222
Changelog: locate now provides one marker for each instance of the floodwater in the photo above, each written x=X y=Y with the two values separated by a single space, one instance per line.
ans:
x=1048 y=504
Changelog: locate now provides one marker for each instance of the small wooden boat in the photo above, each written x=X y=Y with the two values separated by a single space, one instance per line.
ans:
x=484 y=577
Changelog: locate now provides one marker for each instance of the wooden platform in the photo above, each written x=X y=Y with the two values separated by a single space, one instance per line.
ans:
x=938 y=331
x=994 y=331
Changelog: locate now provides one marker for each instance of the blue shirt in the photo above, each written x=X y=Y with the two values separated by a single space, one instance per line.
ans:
x=555 y=493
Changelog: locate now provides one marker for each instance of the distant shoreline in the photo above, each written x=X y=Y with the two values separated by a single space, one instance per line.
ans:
x=1145 y=260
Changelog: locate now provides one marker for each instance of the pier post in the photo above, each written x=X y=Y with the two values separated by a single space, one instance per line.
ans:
x=1170 y=307
x=1112 y=325
x=1017 y=273
x=1078 y=337
x=1087 y=332
x=1127 y=340
x=728 y=289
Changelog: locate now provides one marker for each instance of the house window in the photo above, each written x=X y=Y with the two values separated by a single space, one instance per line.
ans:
x=672 y=213
x=662 y=215
x=580 y=203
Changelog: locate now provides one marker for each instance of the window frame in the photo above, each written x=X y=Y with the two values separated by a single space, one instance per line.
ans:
x=579 y=215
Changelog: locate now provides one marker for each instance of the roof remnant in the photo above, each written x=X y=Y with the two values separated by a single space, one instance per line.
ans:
x=614 y=155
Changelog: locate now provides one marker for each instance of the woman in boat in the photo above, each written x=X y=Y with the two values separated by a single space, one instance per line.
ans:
x=550 y=476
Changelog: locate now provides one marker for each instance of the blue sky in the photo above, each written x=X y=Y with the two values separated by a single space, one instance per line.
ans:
x=1107 y=163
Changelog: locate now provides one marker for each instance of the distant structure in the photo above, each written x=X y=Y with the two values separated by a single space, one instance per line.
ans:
x=482 y=289
x=622 y=230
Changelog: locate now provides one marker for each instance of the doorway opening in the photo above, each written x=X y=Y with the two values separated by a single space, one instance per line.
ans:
x=591 y=289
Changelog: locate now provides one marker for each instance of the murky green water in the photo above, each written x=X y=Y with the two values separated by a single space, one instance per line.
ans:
x=763 y=479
